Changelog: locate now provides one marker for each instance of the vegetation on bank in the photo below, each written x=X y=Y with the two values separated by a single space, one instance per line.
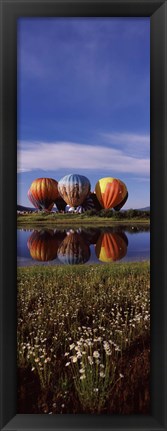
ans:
x=89 y=217
x=83 y=338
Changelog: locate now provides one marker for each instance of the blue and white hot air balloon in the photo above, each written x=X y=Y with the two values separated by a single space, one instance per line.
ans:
x=74 y=189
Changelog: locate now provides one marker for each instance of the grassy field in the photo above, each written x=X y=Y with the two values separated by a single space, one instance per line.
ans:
x=83 y=339
x=53 y=219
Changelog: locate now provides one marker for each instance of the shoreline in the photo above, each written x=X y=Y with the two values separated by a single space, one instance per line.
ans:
x=66 y=221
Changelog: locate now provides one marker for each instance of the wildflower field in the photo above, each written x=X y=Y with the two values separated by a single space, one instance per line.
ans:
x=84 y=339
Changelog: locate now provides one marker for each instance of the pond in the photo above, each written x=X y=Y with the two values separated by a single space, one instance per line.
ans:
x=82 y=245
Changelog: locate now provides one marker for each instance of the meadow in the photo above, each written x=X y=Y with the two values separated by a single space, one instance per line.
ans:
x=89 y=218
x=84 y=339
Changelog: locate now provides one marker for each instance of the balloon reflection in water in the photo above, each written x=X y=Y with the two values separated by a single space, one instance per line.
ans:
x=91 y=235
x=43 y=245
x=74 y=249
x=111 y=246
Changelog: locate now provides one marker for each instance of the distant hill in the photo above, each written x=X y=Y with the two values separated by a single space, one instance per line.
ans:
x=26 y=209
x=145 y=209
x=22 y=208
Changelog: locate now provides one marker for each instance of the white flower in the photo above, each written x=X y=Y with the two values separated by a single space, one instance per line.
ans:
x=102 y=374
x=79 y=355
x=72 y=346
x=82 y=377
x=74 y=358
x=96 y=354
x=90 y=359
x=67 y=364
x=121 y=376
x=82 y=370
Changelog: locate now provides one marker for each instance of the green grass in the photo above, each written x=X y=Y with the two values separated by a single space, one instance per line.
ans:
x=52 y=219
x=78 y=329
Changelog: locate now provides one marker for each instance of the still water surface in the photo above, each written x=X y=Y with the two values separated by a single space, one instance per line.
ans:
x=83 y=245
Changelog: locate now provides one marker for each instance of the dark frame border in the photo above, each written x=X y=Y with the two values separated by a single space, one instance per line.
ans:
x=10 y=10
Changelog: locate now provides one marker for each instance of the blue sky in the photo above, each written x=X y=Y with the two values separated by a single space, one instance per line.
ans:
x=84 y=102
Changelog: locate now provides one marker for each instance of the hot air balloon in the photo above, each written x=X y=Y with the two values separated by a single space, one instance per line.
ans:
x=60 y=203
x=111 y=246
x=91 y=235
x=118 y=207
x=43 y=192
x=96 y=202
x=110 y=192
x=87 y=205
x=73 y=250
x=43 y=245
x=74 y=189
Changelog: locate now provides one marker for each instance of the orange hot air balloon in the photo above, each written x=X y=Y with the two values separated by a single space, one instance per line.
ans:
x=111 y=246
x=122 y=203
x=110 y=192
x=43 y=245
x=43 y=192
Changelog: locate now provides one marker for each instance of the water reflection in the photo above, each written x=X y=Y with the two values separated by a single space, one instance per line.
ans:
x=83 y=245
x=111 y=246
x=74 y=249
x=73 y=246
x=43 y=245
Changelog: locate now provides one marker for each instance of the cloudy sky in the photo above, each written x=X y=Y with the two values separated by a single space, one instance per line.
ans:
x=84 y=102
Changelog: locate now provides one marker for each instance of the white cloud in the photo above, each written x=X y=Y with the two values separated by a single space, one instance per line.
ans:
x=137 y=145
x=74 y=156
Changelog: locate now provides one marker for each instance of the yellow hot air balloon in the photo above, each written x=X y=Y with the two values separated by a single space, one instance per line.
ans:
x=111 y=246
x=110 y=192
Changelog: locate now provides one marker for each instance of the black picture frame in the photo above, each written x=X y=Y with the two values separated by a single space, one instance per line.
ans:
x=10 y=11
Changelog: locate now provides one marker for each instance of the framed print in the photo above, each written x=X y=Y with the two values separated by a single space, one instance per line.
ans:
x=83 y=166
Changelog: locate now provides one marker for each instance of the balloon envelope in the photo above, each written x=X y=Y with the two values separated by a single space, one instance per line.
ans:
x=118 y=207
x=73 y=250
x=87 y=205
x=43 y=245
x=111 y=246
x=43 y=192
x=74 y=189
x=110 y=192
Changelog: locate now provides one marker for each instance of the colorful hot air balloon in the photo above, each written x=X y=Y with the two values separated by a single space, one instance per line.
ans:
x=111 y=246
x=73 y=250
x=96 y=202
x=43 y=192
x=74 y=189
x=43 y=245
x=118 y=207
x=86 y=205
x=60 y=203
x=110 y=192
